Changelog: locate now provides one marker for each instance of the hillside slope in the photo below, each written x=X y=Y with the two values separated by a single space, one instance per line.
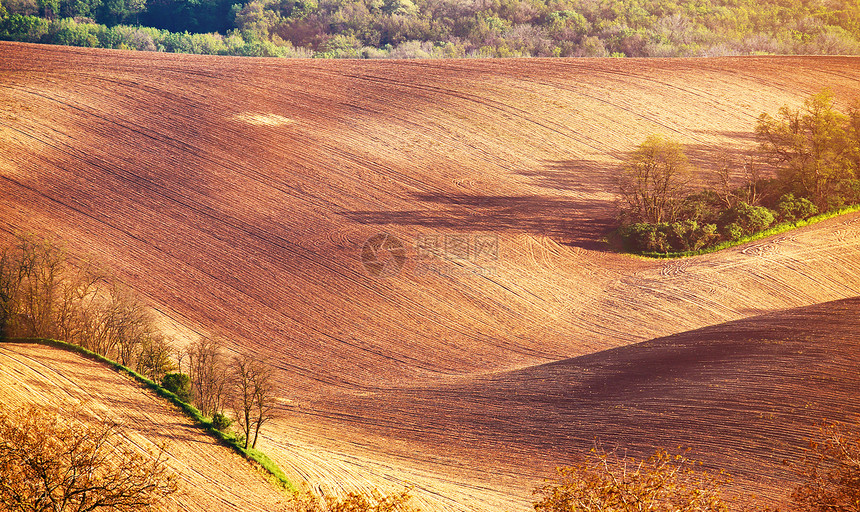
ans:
x=237 y=194
x=211 y=477
x=745 y=396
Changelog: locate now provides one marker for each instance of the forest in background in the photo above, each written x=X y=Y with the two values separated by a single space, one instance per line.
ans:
x=442 y=28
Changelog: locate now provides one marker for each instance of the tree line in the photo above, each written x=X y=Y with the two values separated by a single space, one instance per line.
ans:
x=807 y=163
x=45 y=294
x=441 y=28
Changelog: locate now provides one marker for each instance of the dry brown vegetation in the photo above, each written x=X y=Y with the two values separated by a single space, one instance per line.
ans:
x=830 y=474
x=613 y=481
x=57 y=462
x=235 y=195
x=372 y=501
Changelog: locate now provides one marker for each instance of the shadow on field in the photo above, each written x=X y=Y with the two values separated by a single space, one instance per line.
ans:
x=578 y=222
x=585 y=176
x=707 y=159
x=745 y=394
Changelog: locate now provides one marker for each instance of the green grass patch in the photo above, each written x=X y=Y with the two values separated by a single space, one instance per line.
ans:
x=773 y=230
x=227 y=439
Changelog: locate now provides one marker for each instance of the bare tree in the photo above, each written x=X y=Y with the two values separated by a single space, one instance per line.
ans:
x=253 y=398
x=208 y=370
x=12 y=273
x=732 y=190
x=654 y=181
x=131 y=324
x=43 y=294
x=723 y=182
x=753 y=192
x=48 y=463
x=264 y=397
x=43 y=264
x=79 y=296
x=243 y=394
x=180 y=354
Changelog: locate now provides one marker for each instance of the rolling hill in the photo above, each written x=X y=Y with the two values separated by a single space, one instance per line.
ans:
x=237 y=196
x=749 y=390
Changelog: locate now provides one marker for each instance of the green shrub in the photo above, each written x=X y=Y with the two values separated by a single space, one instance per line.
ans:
x=844 y=193
x=179 y=384
x=733 y=231
x=690 y=235
x=705 y=207
x=744 y=220
x=70 y=33
x=681 y=236
x=29 y=29
x=221 y=422
x=792 y=209
x=644 y=237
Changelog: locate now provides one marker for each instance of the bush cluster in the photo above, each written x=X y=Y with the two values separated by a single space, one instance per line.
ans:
x=179 y=384
x=815 y=151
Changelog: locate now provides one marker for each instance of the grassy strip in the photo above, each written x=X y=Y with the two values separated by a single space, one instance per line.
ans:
x=226 y=439
x=773 y=230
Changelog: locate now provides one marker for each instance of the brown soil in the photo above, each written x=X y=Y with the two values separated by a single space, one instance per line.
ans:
x=745 y=396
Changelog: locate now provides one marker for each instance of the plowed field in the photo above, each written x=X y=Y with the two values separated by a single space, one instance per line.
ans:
x=236 y=195
x=749 y=390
